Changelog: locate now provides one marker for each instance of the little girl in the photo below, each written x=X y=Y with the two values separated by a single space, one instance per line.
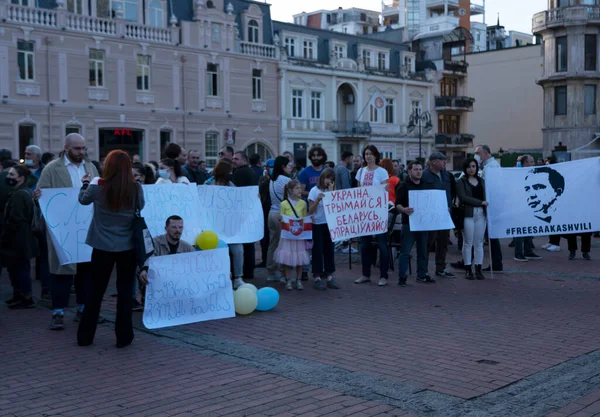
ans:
x=323 y=260
x=292 y=253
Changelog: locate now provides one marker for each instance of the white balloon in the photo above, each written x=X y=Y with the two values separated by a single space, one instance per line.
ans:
x=249 y=286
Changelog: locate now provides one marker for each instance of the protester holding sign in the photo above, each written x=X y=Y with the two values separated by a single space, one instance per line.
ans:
x=66 y=172
x=471 y=193
x=292 y=253
x=281 y=176
x=412 y=183
x=17 y=242
x=115 y=197
x=367 y=176
x=323 y=258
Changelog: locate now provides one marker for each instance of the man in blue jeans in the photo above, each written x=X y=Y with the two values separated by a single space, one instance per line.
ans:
x=412 y=183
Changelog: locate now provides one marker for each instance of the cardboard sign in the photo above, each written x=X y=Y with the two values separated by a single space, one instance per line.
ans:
x=68 y=222
x=431 y=211
x=188 y=288
x=356 y=212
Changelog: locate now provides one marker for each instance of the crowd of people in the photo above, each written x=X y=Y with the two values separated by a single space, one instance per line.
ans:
x=113 y=185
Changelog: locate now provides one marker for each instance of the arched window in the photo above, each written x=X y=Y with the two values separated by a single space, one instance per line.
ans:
x=260 y=149
x=210 y=4
x=155 y=14
x=253 y=32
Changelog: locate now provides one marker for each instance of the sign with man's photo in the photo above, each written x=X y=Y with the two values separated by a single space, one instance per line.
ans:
x=544 y=200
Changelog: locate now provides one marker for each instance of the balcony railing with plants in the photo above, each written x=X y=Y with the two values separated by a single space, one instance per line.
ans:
x=459 y=103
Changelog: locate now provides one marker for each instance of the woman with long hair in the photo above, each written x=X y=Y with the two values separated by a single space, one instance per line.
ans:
x=170 y=172
x=115 y=197
x=282 y=170
x=143 y=173
x=18 y=243
x=373 y=174
x=471 y=194
x=220 y=176
x=323 y=258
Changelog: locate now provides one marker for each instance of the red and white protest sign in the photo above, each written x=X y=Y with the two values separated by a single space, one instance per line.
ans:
x=296 y=229
x=356 y=212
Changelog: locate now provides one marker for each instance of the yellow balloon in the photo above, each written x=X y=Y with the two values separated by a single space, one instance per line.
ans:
x=245 y=301
x=207 y=240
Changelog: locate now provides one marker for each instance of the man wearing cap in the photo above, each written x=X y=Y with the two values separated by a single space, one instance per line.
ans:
x=265 y=199
x=437 y=178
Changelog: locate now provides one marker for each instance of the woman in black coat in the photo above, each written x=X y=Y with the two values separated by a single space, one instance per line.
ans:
x=17 y=242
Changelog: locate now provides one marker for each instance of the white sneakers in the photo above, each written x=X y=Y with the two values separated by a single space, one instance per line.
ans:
x=349 y=249
x=553 y=248
x=237 y=283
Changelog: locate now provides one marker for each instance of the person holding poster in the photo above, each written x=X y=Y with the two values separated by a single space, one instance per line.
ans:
x=471 y=193
x=17 y=242
x=221 y=173
x=292 y=253
x=66 y=172
x=323 y=257
x=282 y=169
x=115 y=197
x=373 y=174
x=413 y=182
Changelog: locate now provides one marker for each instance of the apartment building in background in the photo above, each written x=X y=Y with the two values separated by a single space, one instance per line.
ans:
x=136 y=75
x=352 y=21
x=570 y=75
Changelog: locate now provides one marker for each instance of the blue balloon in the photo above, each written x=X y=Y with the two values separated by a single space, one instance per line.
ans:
x=267 y=298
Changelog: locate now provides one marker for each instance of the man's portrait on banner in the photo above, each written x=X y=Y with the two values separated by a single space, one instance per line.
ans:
x=543 y=187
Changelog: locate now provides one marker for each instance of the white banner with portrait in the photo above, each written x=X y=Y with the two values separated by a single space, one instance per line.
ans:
x=544 y=200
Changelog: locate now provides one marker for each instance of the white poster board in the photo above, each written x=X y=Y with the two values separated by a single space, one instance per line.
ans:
x=67 y=222
x=164 y=200
x=188 y=288
x=233 y=213
x=356 y=212
x=431 y=211
x=546 y=200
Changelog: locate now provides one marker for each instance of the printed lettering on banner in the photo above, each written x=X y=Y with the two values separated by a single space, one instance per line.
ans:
x=296 y=229
x=68 y=222
x=188 y=288
x=431 y=211
x=164 y=200
x=544 y=200
x=233 y=213
x=356 y=212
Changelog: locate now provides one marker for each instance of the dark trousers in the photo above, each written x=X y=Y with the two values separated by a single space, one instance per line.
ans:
x=19 y=272
x=264 y=242
x=366 y=255
x=323 y=258
x=523 y=246
x=102 y=267
x=555 y=240
x=586 y=242
x=61 y=286
x=496 y=254
x=440 y=238
x=408 y=241
x=249 y=260
x=42 y=269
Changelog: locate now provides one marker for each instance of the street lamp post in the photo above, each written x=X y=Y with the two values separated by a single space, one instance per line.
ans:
x=417 y=118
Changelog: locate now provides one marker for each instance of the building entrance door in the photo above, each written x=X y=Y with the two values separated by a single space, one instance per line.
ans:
x=128 y=140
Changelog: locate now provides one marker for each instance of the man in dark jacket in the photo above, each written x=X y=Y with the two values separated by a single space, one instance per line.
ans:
x=192 y=169
x=244 y=176
x=412 y=183
x=437 y=178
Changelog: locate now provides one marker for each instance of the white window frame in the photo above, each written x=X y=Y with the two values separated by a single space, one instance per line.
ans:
x=156 y=15
x=98 y=66
x=212 y=80
x=123 y=7
x=374 y=114
x=253 y=31
x=367 y=56
x=27 y=56
x=339 y=51
x=297 y=103
x=382 y=61
x=209 y=158
x=290 y=46
x=316 y=105
x=145 y=69
x=308 y=49
x=257 y=84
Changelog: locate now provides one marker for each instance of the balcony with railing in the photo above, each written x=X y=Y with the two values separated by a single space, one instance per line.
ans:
x=459 y=67
x=341 y=128
x=440 y=4
x=571 y=15
x=61 y=19
x=259 y=50
x=453 y=140
x=459 y=103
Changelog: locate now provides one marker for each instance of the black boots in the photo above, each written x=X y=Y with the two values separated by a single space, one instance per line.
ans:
x=478 y=274
x=469 y=272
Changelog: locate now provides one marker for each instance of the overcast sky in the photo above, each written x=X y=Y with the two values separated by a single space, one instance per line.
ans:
x=514 y=14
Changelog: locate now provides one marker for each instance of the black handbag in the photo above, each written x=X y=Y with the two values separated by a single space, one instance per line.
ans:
x=458 y=216
x=143 y=242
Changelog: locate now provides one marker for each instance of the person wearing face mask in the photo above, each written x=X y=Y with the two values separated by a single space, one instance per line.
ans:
x=66 y=172
x=17 y=242
x=33 y=161
x=169 y=172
